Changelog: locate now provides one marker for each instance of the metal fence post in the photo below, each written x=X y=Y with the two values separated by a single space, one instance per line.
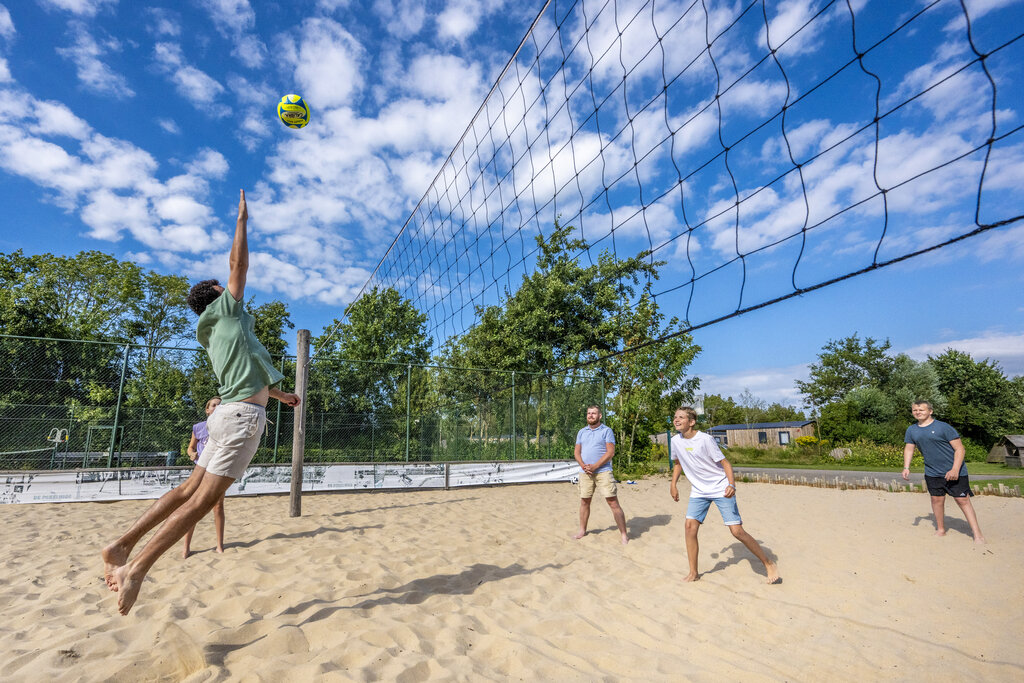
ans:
x=142 y=434
x=408 y=407
x=299 y=432
x=668 y=441
x=513 y=416
x=117 y=408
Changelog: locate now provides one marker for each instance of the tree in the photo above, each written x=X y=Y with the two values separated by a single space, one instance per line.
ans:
x=751 y=406
x=383 y=333
x=94 y=294
x=270 y=320
x=159 y=313
x=721 y=411
x=845 y=365
x=651 y=381
x=982 y=403
x=562 y=315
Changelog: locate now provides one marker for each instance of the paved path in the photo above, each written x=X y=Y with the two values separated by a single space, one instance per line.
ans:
x=850 y=476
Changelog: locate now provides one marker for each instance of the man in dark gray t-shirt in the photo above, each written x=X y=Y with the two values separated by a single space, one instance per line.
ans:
x=944 y=468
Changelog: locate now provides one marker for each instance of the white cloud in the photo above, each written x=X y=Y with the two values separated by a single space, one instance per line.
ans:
x=208 y=164
x=169 y=126
x=458 y=20
x=53 y=118
x=110 y=183
x=1006 y=349
x=1003 y=244
x=197 y=87
x=332 y=5
x=82 y=8
x=5 y=71
x=7 y=30
x=182 y=209
x=444 y=77
x=401 y=18
x=235 y=19
x=86 y=53
x=163 y=22
x=255 y=119
x=328 y=62
x=774 y=385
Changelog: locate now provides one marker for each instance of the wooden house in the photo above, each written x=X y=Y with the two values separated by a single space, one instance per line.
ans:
x=761 y=434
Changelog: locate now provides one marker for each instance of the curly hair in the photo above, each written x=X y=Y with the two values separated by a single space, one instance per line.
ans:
x=202 y=295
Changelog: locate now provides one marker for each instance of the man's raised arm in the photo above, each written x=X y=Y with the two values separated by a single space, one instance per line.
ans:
x=239 y=259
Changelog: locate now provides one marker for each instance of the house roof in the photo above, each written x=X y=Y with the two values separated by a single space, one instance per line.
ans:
x=1016 y=439
x=762 y=425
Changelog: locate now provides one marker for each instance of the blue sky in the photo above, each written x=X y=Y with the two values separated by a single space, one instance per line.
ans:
x=128 y=127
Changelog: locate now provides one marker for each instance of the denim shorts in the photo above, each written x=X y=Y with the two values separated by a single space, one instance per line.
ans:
x=698 y=509
x=235 y=433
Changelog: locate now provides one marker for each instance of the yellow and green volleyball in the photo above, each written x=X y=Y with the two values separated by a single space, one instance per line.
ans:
x=293 y=111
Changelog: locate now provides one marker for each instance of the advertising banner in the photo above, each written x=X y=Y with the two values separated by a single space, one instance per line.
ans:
x=126 y=484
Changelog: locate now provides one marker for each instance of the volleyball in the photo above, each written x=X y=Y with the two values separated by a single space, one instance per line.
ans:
x=293 y=111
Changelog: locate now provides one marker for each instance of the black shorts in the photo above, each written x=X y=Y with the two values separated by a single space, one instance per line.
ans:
x=958 y=488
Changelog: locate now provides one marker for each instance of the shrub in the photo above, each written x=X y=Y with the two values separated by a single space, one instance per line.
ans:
x=974 y=452
x=642 y=465
x=869 y=454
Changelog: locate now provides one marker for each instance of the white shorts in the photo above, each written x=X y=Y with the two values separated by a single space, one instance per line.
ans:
x=235 y=433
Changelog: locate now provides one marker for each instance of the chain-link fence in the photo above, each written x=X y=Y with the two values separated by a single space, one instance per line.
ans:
x=68 y=404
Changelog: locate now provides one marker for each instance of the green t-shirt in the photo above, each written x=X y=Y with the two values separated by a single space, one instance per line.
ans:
x=242 y=364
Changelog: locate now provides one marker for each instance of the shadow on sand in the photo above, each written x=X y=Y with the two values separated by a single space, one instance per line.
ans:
x=464 y=582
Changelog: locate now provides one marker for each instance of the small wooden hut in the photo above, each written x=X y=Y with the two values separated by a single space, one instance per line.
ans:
x=1008 y=450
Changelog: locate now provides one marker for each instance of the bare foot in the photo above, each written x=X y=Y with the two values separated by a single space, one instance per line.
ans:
x=690 y=578
x=979 y=540
x=114 y=556
x=625 y=539
x=581 y=534
x=773 y=573
x=127 y=588
x=185 y=553
x=940 y=532
x=220 y=549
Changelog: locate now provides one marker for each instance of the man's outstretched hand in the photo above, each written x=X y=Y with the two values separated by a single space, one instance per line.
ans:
x=243 y=210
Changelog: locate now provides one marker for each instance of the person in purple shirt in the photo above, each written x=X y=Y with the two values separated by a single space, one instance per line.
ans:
x=200 y=435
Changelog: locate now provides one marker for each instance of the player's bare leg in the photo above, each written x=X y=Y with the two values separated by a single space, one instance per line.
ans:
x=128 y=578
x=692 y=527
x=116 y=554
x=218 y=523
x=584 y=517
x=972 y=518
x=939 y=510
x=620 y=518
x=741 y=535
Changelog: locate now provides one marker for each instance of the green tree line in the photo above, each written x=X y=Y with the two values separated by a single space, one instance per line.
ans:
x=860 y=390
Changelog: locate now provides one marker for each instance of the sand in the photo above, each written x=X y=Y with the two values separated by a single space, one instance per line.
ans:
x=487 y=584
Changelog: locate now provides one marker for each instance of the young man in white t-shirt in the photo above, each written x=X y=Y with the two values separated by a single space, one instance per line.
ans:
x=711 y=481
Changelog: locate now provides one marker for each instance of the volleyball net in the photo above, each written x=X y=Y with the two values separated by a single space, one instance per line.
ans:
x=753 y=151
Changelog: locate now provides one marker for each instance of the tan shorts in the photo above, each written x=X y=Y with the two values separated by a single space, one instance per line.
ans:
x=602 y=482
x=235 y=433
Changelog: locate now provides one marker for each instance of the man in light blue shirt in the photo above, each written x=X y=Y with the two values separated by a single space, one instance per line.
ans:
x=595 y=447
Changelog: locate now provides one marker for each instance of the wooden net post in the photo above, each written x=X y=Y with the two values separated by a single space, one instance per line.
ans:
x=299 y=432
